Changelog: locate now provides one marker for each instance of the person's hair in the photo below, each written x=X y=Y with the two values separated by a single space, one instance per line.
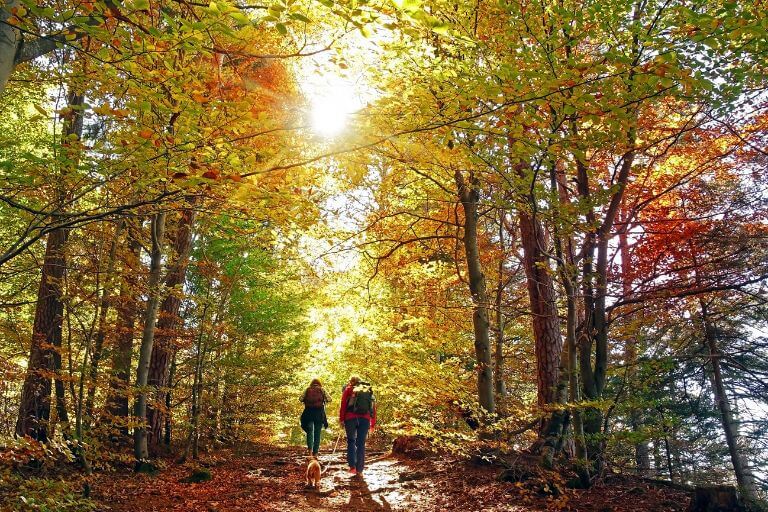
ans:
x=315 y=381
x=355 y=379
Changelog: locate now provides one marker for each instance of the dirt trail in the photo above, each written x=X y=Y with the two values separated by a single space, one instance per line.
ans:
x=266 y=478
x=268 y=481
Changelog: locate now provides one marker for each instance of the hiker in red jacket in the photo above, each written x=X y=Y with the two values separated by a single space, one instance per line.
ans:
x=357 y=415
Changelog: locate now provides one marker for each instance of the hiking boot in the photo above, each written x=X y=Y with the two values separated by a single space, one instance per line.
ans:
x=352 y=471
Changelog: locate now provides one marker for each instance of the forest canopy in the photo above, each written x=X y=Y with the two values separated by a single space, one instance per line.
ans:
x=536 y=225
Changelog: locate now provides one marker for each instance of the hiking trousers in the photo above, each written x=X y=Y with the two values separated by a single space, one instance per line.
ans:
x=313 y=430
x=357 y=433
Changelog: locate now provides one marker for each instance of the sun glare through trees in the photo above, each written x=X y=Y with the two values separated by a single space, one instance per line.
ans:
x=535 y=229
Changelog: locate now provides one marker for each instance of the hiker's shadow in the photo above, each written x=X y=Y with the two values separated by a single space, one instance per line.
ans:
x=361 y=498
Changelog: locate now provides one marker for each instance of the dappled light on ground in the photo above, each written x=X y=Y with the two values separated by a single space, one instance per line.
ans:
x=272 y=479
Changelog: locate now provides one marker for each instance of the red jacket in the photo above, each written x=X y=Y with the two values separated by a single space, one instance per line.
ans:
x=344 y=414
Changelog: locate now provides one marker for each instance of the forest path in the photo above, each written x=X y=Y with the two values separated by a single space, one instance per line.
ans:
x=273 y=479
x=269 y=478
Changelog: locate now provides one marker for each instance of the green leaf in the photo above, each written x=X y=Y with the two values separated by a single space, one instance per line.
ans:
x=300 y=17
x=442 y=29
x=141 y=5
x=282 y=28
x=240 y=17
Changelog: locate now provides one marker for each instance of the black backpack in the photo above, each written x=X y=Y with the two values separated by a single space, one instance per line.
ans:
x=361 y=401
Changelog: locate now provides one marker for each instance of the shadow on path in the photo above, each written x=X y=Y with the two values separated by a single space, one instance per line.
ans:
x=361 y=498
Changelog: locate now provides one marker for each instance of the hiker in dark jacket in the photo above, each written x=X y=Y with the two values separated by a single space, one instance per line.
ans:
x=313 y=419
x=357 y=414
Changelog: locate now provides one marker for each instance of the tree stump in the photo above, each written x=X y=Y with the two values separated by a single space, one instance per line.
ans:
x=715 y=498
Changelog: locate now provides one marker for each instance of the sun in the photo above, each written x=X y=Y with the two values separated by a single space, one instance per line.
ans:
x=334 y=92
x=332 y=103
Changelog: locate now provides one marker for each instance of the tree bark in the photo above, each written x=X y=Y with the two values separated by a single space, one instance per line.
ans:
x=117 y=401
x=469 y=195
x=642 y=453
x=546 y=322
x=744 y=477
x=10 y=39
x=157 y=229
x=101 y=331
x=168 y=326
x=498 y=371
x=45 y=352
x=35 y=405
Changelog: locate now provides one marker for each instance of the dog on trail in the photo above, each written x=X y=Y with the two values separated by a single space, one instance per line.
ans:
x=313 y=473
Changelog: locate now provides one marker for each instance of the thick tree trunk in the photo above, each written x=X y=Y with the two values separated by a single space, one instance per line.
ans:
x=157 y=228
x=469 y=195
x=168 y=326
x=45 y=352
x=10 y=39
x=35 y=406
x=545 y=318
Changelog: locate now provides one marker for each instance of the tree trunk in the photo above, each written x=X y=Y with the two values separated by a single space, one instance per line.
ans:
x=744 y=477
x=117 y=402
x=10 y=39
x=168 y=326
x=469 y=195
x=567 y=269
x=157 y=228
x=101 y=331
x=546 y=322
x=35 y=407
x=498 y=371
x=45 y=351
x=642 y=453
x=168 y=400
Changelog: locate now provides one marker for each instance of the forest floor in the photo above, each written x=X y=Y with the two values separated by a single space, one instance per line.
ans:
x=263 y=478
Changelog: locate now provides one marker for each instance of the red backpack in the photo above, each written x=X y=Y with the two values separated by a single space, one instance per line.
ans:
x=314 y=397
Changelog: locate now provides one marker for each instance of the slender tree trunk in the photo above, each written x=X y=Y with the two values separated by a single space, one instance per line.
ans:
x=168 y=401
x=567 y=269
x=117 y=401
x=594 y=332
x=168 y=326
x=498 y=371
x=469 y=195
x=148 y=337
x=744 y=477
x=101 y=331
x=642 y=453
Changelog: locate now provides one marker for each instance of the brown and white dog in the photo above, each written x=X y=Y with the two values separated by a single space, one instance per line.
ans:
x=313 y=473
